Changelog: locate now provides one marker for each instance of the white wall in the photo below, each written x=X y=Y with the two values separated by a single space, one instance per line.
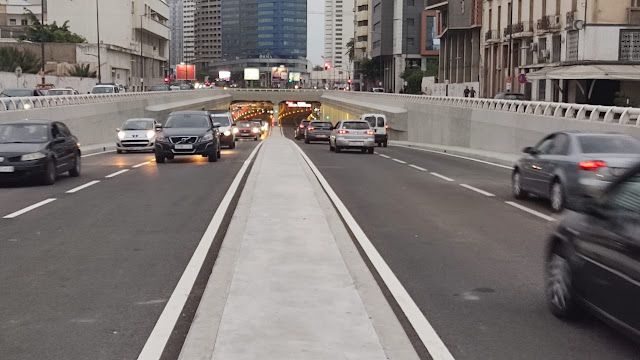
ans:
x=600 y=43
x=8 y=80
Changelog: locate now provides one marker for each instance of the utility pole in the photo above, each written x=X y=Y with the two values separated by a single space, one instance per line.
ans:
x=98 y=28
x=42 y=6
x=141 y=58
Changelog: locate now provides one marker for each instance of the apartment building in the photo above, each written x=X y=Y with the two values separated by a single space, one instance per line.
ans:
x=176 y=25
x=13 y=19
x=338 y=31
x=567 y=50
x=207 y=32
x=189 y=30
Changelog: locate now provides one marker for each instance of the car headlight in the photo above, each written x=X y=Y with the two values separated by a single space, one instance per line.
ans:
x=207 y=137
x=227 y=133
x=32 y=156
x=151 y=134
x=121 y=135
x=160 y=137
x=256 y=130
x=235 y=130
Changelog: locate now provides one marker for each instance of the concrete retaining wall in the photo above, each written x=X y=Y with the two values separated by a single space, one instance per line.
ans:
x=8 y=80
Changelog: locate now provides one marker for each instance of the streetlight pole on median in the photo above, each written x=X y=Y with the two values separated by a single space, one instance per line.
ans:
x=141 y=58
x=42 y=6
x=98 y=29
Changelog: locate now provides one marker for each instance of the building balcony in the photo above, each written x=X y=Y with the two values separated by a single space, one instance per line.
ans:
x=492 y=36
x=520 y=30
x=156 y=28
x=362 y=16
x=549 y=23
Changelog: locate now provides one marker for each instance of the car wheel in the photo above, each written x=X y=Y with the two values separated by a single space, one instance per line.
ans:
x=49 y=175
x=233 y=145
x=331 y=148
x=559 y=286
x=307 y=141
x=385 y=143
x=160 y=159
x=370 y=150
x=338 y=149
x=255 y=138
x=119 y=151
x=77 y=166
x=557 y=196
x=213 y=157
x=516 y=186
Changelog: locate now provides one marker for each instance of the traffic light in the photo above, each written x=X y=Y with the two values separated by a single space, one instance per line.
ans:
x=349 y=81
x=166 y=79
x=327 y=66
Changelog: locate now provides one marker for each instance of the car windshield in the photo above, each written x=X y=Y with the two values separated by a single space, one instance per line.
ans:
x=355 y=125
x=137 y=125
x=102 y=90
x=321 y=125
x=222 y=119
x=188 y=121
x=59 y=92
x=17 y=92
x=23 y=133
x=608 y=144
x=244 y=125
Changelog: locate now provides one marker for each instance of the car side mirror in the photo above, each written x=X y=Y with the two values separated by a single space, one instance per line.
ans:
x=59 y=140
x=158 y=127
x=527 y=150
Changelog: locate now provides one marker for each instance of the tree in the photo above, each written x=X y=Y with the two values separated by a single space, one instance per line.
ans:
x=370 y=68
x=11 y=58
x=413 y=76
x=351 y=50
x=50 y=33
x=318 y=68
x=83 y=71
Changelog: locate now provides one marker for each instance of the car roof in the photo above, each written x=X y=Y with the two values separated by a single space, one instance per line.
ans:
x=61 y=89
x=192 y=112
x=149 y=119
x=219 y=111
x=29 y=122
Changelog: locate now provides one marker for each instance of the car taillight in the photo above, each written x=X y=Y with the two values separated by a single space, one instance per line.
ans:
x=343 y=132
x=592 y=165
x=386 y=127
x=370 y=132
x=311 y=128
x=301 y=126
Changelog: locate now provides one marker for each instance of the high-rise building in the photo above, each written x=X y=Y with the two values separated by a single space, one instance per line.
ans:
x=176 y=25
x=134 y=37
x=338 y=31
x=208 y=34
x=189 y=28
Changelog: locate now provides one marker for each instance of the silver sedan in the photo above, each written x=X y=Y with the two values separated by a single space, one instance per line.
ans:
x=352 y=134
x=567 y=166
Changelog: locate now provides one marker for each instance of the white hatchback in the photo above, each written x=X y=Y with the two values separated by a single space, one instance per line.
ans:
x=137 y=135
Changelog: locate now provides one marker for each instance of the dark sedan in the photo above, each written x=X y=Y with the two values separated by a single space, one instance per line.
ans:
x=318 y=131
x=188 y=133
x=37 y=149
x=593 y=258
x=565 y=166
x=299 y=132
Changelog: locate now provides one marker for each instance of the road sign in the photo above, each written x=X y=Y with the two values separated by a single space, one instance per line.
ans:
x=509 y=86
x=522 y=78
x=18 y=71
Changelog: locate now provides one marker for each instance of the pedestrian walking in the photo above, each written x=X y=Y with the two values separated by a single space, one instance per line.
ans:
x=472 y=92
x=466 y=91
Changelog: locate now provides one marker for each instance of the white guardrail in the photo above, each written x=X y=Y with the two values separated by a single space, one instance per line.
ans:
x=584 y=112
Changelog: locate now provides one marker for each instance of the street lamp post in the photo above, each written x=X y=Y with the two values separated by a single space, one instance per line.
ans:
x=141 y=57
x=42 y=39
x=98 y=31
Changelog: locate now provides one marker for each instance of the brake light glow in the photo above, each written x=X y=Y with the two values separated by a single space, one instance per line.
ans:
x=386 y=127
x=311 y=128
x=592 y=165
x=370 y=132
x=301 y=126
x=343 y=132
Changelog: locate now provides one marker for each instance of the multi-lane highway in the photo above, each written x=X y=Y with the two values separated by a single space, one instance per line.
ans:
x=470 y=256
x=86 y=276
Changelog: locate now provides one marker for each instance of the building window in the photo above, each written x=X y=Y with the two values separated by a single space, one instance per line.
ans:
x=409 y=41
x=12 y=22
x=433 y=43
x=629 y=45
x=572 y=45
x=542 y=90
x=24 y=22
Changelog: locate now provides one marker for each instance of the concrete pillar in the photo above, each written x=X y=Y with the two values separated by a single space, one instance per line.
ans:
x=475 y=55
x=444 y=59
x=460 y=59
x=450 y=62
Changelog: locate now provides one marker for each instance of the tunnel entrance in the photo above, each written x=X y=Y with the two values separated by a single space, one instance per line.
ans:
x=285 y=113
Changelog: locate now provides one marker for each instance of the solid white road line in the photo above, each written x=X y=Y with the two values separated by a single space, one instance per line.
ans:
x=141 y=165
x=156 y=342
x=530 y=211
x=423 y=328
x=29 y=208
x=98 y=153
x=75 y=190
x=479 y=191
x=453 y=155
x=399 y=161
x=117 y=173
x=417 y=167
x=442 y=177
x=385 y=156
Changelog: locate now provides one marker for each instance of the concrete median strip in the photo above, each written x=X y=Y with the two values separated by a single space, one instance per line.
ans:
x=29 y=208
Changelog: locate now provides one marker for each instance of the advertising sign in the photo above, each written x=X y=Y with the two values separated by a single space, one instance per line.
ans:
x=294 y=76
x=185 y=72
x=279 y=74
x=251 y=74
x=224 y=75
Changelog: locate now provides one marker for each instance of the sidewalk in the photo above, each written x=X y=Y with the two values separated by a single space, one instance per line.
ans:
x=288 y=282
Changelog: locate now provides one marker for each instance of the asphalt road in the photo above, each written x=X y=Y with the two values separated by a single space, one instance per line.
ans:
x=87 y=275
x=470 y=261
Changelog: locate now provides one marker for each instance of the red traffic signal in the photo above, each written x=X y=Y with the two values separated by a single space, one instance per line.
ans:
x=166 y=79
x=327 y=66
x=349 y=81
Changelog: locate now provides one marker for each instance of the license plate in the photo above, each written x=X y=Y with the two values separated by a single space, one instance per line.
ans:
x=6 y=169
x=322 y=136
x=356 y=143
x=184 y=146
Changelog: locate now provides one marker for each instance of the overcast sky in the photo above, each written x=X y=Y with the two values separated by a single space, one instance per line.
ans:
x=315 y=31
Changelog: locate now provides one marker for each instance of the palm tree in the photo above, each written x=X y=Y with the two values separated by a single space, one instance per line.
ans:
x=11 y=58
x=351 y=49
x=80 y=70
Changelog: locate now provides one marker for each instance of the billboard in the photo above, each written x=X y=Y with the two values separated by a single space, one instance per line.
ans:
x=294 y=76
x=251 y=74
x=185 y=72
x=279 y=74
x=224 y=75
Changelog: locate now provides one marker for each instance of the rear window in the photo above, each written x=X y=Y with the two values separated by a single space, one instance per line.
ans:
x=188 y=121
x=17 y=92
x=355 y=125
x=380 y=121
x=371 y=120
x=222 y=119
x=609 y=145
x=321 y=125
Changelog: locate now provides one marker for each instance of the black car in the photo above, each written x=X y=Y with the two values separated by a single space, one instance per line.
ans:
x=299 y=132
x=160 y=88
x=318 y=131
x=23 y=92
x=37 y=149
x=593 y=258
x=188 y=133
